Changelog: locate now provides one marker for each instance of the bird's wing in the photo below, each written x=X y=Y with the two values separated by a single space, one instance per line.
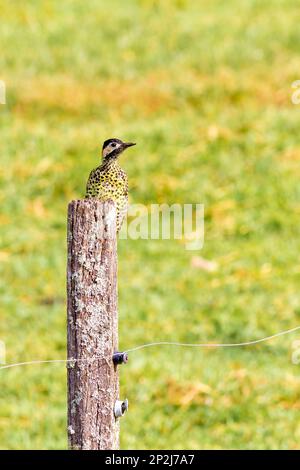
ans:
x=90 y=185
x=97 y=188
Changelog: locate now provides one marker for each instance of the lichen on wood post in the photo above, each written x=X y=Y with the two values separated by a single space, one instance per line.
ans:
x=93 y=384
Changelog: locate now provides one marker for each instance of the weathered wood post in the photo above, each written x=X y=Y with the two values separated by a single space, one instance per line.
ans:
x=93 y=384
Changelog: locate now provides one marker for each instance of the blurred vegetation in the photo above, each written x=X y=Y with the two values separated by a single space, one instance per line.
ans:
x=205 y=90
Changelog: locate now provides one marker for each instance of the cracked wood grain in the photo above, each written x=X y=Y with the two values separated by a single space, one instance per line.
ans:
x=92 y=325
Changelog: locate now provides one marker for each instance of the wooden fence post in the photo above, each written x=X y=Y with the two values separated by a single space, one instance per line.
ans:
x=93 y=383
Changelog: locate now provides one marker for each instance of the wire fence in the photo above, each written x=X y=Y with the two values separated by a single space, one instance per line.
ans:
x=160 y=343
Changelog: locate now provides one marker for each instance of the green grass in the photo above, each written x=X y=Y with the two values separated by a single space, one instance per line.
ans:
x=205 y=90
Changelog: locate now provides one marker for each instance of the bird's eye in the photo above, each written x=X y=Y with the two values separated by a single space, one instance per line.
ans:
x=113 y=144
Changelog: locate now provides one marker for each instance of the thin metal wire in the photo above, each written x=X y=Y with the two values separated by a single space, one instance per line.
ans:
x=163 y=343
x=15 y=364
x=214 y=345
x=8 y=366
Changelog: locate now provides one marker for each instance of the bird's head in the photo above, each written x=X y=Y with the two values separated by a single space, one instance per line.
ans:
x=112 y=148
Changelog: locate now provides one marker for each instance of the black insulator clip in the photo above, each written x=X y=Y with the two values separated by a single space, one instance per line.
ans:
x=120 y=358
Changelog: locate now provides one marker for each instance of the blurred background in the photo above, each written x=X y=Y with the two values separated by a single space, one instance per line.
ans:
x=205 y=90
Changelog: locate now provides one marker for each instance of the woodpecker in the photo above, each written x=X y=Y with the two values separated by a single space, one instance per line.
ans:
x=108 y=180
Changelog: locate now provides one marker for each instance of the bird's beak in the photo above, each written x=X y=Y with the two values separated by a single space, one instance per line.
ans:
x=128 y=144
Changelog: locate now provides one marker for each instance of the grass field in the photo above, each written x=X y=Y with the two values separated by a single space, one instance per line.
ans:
x=204 y=88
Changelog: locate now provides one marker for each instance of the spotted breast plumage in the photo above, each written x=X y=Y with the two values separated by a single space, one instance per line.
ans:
x=109 y=180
